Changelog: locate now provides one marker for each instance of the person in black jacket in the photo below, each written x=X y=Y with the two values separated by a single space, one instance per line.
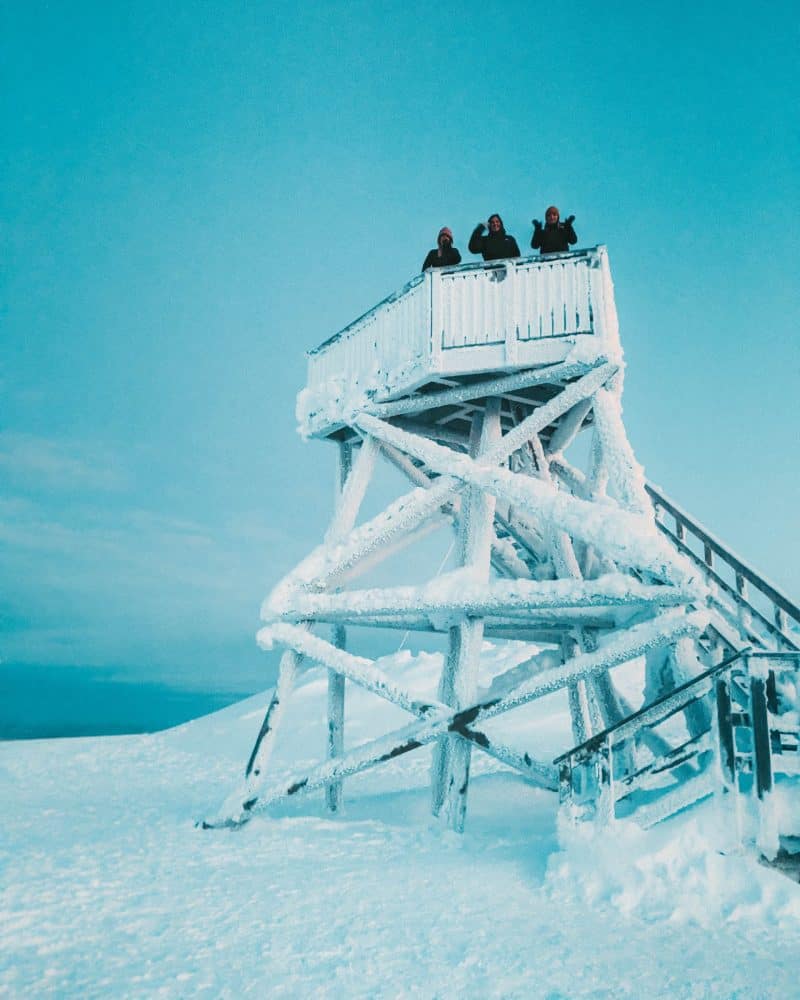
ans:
x=497 y=245
x=554 y=236
x=445 y=253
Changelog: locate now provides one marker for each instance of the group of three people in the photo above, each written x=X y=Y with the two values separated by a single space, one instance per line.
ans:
x=552 y=237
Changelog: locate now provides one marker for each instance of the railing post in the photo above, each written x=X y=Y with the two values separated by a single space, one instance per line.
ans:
x=767 y=838
x=604 y=765
x=511 y=314
x=433 y=300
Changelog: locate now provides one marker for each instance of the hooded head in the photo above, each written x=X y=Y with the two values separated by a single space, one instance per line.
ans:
x=496 y=224
x=552 y=215
x=445 y=234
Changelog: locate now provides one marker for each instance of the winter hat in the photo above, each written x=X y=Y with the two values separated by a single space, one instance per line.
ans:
x=444 y=231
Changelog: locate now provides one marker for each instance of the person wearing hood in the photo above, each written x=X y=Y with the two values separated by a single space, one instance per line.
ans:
x=497 y=244
x=554 y=236
x=444 y=254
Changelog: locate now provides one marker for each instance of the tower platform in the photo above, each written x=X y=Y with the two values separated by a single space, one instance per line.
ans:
x=450 y=327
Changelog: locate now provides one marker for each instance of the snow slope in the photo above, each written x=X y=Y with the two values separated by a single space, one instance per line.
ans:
x=108 y=889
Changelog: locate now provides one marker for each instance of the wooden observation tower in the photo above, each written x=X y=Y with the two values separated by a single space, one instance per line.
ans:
x=496 y=390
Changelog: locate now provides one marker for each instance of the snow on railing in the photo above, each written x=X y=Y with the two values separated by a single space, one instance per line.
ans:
x=490 y=303
x=749 y=743
x=762 y=613
x=440 y=320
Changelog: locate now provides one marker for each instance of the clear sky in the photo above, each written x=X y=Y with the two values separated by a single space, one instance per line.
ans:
x=195 y=194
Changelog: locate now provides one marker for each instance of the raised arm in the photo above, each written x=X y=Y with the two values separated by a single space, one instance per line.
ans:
x=476 y=240
x=571 y=237
x=536 y=239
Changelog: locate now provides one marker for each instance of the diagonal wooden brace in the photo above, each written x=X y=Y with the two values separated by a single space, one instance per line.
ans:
x=634 y=642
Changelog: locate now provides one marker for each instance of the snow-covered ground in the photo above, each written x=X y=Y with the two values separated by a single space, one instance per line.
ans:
x=108 y=889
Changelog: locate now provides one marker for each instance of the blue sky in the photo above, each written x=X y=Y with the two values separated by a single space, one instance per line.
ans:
x=196 y=194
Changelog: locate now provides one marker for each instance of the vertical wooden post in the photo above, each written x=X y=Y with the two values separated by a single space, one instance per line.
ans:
x=336 y=681
x=459 y=683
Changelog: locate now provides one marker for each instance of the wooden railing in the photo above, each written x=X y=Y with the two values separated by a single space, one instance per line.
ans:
x=417 y=331
x=752 y=604
x=750 y=737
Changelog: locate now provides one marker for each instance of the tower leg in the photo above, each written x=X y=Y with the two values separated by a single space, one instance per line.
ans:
x=459 y=683
x=336 y=682
x=333 y=791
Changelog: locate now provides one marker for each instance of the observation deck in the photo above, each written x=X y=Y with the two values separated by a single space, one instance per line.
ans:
x=450 y=327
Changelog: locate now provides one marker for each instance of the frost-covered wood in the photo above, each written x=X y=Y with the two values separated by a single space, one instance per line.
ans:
x=459 y=681
x=523 y=313
x=626 y=646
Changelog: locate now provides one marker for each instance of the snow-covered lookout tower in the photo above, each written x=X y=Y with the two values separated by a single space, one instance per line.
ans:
x=495 y=389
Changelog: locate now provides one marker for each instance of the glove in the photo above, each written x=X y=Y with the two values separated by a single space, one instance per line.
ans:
x=569 y=220
x=536 y=224
x=481 y=227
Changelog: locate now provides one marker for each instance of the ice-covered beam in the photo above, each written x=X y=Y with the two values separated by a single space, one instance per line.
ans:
x=352 y=489
x=625 y=474
x=479 y=390
x=458 y=594
x=358 y=669
x=378 y=535
x=544 y=415
x=627 y=538
x=504 y=557
x=623 y=647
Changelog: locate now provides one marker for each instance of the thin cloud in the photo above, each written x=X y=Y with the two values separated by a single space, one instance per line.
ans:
x=48 y=463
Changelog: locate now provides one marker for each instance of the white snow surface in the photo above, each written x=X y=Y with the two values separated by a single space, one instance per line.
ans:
x=107 y=889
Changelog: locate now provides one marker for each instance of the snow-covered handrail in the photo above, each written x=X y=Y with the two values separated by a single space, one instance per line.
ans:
x=785 y=613
x=451 y=321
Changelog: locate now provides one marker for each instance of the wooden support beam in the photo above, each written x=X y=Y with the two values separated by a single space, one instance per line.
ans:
x=375 y=539
x=620 y=649
x=616 y=534
x=569 y=427
x=625 y=474
x=352 y=483
x=455 y=594
x=545 y=415
x=336 y=696
x=436 y=432
x=504 y=559
x=362 y=671
x=571 y=477
x=549 y=375
x=459 y=681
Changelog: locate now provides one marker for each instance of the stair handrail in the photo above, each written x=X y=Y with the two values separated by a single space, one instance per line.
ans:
x=636 y=720
x=744 y=573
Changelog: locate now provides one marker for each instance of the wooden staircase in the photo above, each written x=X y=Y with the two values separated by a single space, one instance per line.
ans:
x=650 y=766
